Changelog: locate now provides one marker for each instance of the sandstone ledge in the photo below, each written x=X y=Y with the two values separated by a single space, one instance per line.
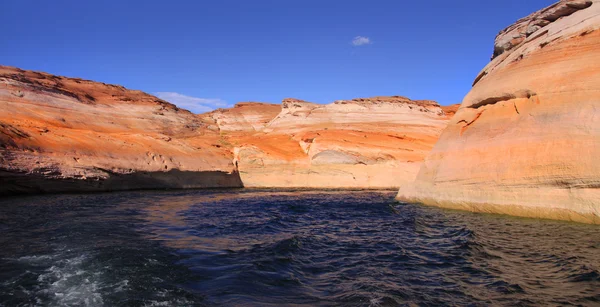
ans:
x=549 y=203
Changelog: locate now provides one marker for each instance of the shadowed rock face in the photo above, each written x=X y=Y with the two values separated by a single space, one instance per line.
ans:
x=525 y=140
x=68 y=134
x=28 y=183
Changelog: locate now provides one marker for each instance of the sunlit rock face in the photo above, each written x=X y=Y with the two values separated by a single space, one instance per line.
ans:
x=65 y=134
x=245 y=116
x=376 y=142
x=61 y=134
x=526 y=139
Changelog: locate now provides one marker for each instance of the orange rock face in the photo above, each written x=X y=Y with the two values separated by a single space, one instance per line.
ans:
x=65 y=134
x=376 y=142
x=525 y=140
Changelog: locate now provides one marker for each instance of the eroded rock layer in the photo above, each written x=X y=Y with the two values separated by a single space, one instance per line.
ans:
x=526 y=139
x=244 y=116
x=376 y=142
x=62 y=134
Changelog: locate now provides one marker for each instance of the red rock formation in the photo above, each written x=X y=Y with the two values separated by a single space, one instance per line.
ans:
x=525 y=139
x=450 y=110
x=376 y=142
x=68 y=134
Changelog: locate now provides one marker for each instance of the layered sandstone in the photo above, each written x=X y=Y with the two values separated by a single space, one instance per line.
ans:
x=61 y=134
x=67 y=134
x=376 y=142
x=525 y=140
x=244 y=116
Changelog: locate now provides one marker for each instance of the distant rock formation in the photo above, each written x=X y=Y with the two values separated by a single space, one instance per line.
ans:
x=526 y=139
x=376 y=142
x=244 y=116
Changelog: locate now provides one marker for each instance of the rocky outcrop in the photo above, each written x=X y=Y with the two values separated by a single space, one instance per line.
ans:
x=62 y=134
x=517 y=33
x=525 y=139
x=376 y=142
x=244 y=116
x=450 y=110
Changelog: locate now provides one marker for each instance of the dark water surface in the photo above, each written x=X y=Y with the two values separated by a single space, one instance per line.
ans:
x=279 y=248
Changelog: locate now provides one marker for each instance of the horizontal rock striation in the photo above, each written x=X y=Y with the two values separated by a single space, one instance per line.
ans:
x=376 y=142
x=517 y=33
x=62 y=134
x=525 y=140
x=244 y=116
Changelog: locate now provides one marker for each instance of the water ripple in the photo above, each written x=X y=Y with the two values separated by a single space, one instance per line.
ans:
x=272 y=247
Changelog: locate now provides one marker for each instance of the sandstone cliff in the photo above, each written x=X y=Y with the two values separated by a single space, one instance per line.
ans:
x=525 y=140
x=376 y=142
x=61 y=134
x=67 y=134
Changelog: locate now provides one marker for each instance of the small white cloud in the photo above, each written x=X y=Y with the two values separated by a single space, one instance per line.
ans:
x=361 y=40
x=194 y=104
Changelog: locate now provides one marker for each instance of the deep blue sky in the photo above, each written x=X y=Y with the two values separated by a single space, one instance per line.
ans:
x=231 y=51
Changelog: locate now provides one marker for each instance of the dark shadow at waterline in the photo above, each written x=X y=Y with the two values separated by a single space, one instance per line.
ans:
x=14 y=183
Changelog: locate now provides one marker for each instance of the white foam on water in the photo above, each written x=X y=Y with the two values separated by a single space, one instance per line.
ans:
x=176 y=302
x=68 y=283
x=376 y=301
x=34 y=259
x=66 y=278
x=155 y=303
x=121 y=286
x=168 y=302
x=69 y=280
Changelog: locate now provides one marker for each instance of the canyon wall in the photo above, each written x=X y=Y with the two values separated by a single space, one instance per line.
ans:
x=62 y=134
x=526 y=139
x=376 y=142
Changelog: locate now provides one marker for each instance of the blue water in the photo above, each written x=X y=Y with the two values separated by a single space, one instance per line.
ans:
x=280 y=248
